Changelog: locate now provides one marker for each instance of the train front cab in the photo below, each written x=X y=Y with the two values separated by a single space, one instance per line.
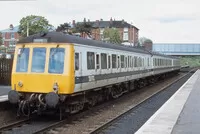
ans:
x=42 y=69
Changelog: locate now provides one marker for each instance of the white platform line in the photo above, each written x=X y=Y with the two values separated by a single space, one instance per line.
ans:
x=163 y=121
x=3 y=98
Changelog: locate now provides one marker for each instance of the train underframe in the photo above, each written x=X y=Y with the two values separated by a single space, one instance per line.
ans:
x=30 y=103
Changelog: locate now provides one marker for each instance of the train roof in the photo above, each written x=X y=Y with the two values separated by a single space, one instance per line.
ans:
x=59 y=37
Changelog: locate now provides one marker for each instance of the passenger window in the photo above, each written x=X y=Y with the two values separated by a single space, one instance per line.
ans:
x=128 y=61
x=22 y=60
x=103 y=61
x=114 y=61
x=125 y=62
x=38 y=60
x=135 y=59
x=122 y=61
x=97 y=62
x=56 y=60
x=109 y=61
x=76 y=61
x=90 y=60
x=118 y=61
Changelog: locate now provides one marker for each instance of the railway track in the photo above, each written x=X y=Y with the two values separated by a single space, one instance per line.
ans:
x=53 y=125
x=113 y=125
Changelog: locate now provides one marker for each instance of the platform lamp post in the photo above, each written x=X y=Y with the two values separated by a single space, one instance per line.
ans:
x=31 y=21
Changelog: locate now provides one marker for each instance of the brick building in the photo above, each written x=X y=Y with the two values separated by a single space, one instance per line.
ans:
x=128 y=32
x=10 y=36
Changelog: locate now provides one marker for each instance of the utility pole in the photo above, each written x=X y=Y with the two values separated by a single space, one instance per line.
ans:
x=31 y=21
x=27 y=28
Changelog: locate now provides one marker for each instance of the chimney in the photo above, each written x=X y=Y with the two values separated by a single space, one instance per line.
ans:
x=11 y=27
x=101 y=19
x=84 y=20
x=111 y=20
x=88 y=20
x=122 y=21
x=73 y=22
x=97 y=22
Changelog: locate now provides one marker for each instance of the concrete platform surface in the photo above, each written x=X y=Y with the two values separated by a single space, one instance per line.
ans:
x=180 y=114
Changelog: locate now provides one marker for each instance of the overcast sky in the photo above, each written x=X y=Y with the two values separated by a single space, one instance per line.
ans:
x=163 y=21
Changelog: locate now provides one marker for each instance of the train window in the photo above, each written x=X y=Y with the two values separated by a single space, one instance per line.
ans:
x=56 y=60
x=103 y=61
x=122 y=61
x=38 y=60
x=76 y=61
x=135 y=59
x=139 y=62
x=118 y=62
x=22 y=60
x=109 y=61
x=90 y=60
x=131 y=62
x=114 y=59
x=125 y=65
x=142 y=61
x=128 y=61
x=97 y=61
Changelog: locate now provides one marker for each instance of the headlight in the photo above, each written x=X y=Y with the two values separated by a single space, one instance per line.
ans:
x=20 y=84
x=55 y=87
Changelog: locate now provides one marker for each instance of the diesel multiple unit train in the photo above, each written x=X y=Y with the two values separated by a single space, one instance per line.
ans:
x=58 y=71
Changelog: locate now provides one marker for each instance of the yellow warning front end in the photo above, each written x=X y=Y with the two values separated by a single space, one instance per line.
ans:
x=43 y=68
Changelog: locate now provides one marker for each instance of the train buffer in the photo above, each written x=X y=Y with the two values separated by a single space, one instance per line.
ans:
x=180 y=114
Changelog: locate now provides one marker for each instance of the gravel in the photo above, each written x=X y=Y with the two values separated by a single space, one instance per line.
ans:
x=89 y=123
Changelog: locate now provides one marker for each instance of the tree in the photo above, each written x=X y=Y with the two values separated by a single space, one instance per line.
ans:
x=1 y=39
x=63 y=28
x=112 y=35
x=83 y=27
x=35 y=26
x=144 y=40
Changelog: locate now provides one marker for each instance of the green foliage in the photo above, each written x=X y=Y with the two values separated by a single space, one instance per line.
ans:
x=84 y=27
x=192 y=61
x=112 y=35
x=37 y=26
x=144 y=40
x=63 y=28
x=1 y=39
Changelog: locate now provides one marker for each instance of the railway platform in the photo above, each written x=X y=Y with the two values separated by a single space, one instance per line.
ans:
x=4 y=93
x=180 y=114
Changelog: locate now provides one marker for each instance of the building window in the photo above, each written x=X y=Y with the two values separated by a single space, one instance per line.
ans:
x=11 y=43
x=3 y=35
x=125 y=34
x=12 y=35
x=90 y=60
x=101 y=33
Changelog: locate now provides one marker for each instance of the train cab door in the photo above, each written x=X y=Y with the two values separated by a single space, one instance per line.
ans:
x=97 y=63
x=78 y=69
